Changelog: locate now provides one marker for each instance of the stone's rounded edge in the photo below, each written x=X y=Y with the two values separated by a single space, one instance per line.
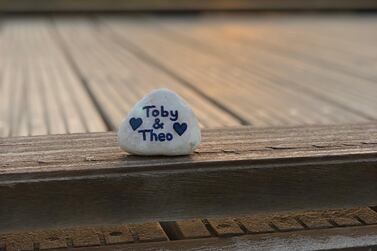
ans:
x=192 y=143
x=196 y=143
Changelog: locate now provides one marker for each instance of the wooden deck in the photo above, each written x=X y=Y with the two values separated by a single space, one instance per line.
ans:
x=83 y=74
x=245 y=176
x=236 y=171
x=311 y=230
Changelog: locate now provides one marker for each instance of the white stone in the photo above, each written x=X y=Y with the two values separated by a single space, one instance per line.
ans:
x=161 y=123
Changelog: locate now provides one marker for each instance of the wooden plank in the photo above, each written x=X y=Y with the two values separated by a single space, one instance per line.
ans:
x=315 y=95
x=52 y=243
x=272 y=102
x=294 y=221
x=13 y=242
x=83 y=237
x=311 y=240
x=271 y=222
x=18 y=153
x=5 y=102
x=117 y=234
x=24 y=246
x=148 y=232
x=13 y=115
x=314 y=221
x=338 y=217
x=225 y=227
x=343 y=217
x=346 y=221
x=18 y=118
x=367 y=215
x=225 y=180
x=208 y=85
x=55 y=116
x=192 y=229
x=180 y=230
x=256 y=224
x=30 y=240
x=38 y=123
x=361 y=33
x=117 y=84
x=282 y=59
x=50 y=240
x=286 y=224
x=280 y=134
x=266 y=60
x=47 y=96
x=319 y=53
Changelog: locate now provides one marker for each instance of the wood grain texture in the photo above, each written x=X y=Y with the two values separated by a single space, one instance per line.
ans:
x=40 y=92
x=367 y=215
x=84 y=237
x=234 y=61
x=123 y=235
x=314 y=221
x=192 y=229
x=255 y=224
x=351 y=238
x=117 y=235
x=234 y=171
x=325 y=66
x=223 y=227
x=118 y=79
x=148 y=232
x=66 y=75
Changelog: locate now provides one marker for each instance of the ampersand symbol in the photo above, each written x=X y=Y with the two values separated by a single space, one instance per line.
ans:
x=157 y=124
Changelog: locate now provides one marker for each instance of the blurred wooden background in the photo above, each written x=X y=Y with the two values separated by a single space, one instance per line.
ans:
x=179 y=5
x=66 y=74
x=77 y=72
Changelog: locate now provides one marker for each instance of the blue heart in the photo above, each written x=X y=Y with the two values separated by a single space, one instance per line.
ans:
x=135 y=123
x=180 y=128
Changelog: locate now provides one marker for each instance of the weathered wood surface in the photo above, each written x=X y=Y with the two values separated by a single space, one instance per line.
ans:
x=290 y=53
x=159 y=235
x=85 y=179
x=118 y=79
x=262 y=81
x=83 y=74
x=337 y=239
x=39 y=91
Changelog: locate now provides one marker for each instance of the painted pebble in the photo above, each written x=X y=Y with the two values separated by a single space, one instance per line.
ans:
x=161 y=123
